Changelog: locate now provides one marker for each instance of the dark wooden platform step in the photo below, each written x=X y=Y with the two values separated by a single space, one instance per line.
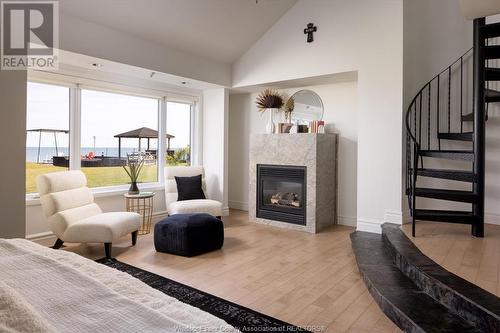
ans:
x=458 y=175
x=399 y=298
x=492 y=96
x=492 y=74
x=490 y=30
x=443 y=194
x=458 y=295
x=464 y=155
x=450 y=216
x=467 y=136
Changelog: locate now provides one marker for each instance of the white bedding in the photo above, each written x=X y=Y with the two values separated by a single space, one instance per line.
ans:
x=43 y=290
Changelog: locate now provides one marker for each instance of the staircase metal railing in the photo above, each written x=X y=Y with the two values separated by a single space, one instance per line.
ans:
x=438 y=108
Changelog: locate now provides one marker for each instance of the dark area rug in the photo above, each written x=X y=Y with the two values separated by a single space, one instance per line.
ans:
x=242 y=318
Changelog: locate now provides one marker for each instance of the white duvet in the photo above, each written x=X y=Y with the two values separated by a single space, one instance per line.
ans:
x=43 y=290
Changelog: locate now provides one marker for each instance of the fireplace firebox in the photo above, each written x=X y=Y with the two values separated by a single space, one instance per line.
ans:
x=281 y=193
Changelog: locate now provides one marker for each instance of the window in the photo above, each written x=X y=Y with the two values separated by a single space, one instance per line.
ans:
x=115 y=127
x=108 y=126
x=178 y=133
x=47 y=136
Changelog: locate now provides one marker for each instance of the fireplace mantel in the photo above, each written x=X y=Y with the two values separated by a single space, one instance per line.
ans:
x=318 y=154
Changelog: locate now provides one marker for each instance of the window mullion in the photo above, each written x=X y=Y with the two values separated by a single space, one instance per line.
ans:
x=162 y=134
x=75 y=118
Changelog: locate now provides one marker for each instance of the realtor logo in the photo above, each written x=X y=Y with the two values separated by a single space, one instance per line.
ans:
x=29 y=35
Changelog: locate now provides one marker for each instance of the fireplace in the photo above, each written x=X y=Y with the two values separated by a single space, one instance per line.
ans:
x=281 y=193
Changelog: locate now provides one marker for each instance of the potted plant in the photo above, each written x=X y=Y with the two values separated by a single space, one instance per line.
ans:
x=133 y=169
x=269 y=99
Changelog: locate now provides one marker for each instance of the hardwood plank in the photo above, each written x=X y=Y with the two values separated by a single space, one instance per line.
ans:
x=297 y=277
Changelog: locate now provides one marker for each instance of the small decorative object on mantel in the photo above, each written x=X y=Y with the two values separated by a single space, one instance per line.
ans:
x=133 y=170
x=269 y=99
x=317 y=126
x=309 y=31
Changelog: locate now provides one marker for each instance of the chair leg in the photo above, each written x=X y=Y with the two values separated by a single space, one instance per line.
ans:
x=107 y=249
x=57 y=245
x=134 y=237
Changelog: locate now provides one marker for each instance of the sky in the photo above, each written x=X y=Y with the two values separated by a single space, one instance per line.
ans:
x=103 y=116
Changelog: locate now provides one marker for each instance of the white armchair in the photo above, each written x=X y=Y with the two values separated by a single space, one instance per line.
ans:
x=208 y=206
x=73 y=216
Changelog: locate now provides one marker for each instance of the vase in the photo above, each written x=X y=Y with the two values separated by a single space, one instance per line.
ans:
x=133 y=188
x=271 y=127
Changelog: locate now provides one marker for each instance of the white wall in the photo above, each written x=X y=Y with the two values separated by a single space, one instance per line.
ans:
x=435 y=35
x=215 y=144
x=12 y=142
x=340 y=103
x=361 y=35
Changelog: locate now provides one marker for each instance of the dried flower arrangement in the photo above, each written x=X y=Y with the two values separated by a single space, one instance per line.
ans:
x=269 y=99
x=288 y=109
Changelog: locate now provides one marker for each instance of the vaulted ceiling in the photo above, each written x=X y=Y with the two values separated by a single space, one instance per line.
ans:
x=221 y=30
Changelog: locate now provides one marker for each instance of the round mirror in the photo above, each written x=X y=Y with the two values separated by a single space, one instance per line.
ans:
x=308 y=106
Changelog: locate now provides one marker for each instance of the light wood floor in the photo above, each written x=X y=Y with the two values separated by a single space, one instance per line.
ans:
x=451 y=245
x=297 y=277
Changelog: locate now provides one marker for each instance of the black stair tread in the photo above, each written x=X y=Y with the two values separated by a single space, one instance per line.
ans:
x=492 y=96
x=492 y=74
x=398 y=297
x=470 y=117
x=444 y=194
x=449 y=216
x=459 y=175
x=466 y=136
x=490 y=30
x=465 y=155
x=492 y=51
x=462 y=297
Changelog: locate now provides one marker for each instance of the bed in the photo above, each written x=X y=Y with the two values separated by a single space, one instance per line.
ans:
x=44 y=290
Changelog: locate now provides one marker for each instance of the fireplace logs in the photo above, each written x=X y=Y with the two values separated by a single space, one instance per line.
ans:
x=286 y=199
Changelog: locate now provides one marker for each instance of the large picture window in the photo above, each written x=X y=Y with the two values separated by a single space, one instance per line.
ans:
x=109 y=127
x=114 y=128
x=47 y=136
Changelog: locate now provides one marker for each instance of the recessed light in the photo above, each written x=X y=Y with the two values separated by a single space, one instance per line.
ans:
x=97 y=65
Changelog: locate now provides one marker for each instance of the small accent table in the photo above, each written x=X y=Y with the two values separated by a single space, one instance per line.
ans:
x=142 y=204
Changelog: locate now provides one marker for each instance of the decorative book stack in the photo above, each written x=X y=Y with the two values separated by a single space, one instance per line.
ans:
x=317 y=126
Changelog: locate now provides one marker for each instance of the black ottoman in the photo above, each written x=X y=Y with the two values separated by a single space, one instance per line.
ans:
x=189 y=234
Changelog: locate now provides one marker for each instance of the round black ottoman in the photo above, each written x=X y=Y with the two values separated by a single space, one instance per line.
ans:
x=189 y=234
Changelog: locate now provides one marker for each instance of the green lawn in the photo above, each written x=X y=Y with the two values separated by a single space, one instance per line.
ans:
x=96 y=177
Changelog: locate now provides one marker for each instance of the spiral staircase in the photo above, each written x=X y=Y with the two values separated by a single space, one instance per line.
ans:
x=447 y=120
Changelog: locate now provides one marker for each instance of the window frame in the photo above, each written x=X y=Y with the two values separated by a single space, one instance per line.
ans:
x=77 y=84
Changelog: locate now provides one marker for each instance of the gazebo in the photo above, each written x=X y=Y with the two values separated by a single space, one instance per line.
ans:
x=140 y=133
x=47 y=130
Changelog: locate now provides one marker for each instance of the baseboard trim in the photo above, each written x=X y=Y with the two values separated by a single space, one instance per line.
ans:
x=392 y=216
x=239 y=205
x=367 y=225
x=40 y=236
x=490 y=218
x=347 y=220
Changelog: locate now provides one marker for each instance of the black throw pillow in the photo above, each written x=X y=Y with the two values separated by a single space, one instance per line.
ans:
x=189 y=188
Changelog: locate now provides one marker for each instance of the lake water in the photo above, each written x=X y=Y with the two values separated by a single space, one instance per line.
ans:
x=46 y=153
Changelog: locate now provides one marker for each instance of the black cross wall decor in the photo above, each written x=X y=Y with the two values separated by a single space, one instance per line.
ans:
x=309 y=31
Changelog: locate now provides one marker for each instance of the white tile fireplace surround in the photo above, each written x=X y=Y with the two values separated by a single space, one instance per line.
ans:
x=317 y=154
